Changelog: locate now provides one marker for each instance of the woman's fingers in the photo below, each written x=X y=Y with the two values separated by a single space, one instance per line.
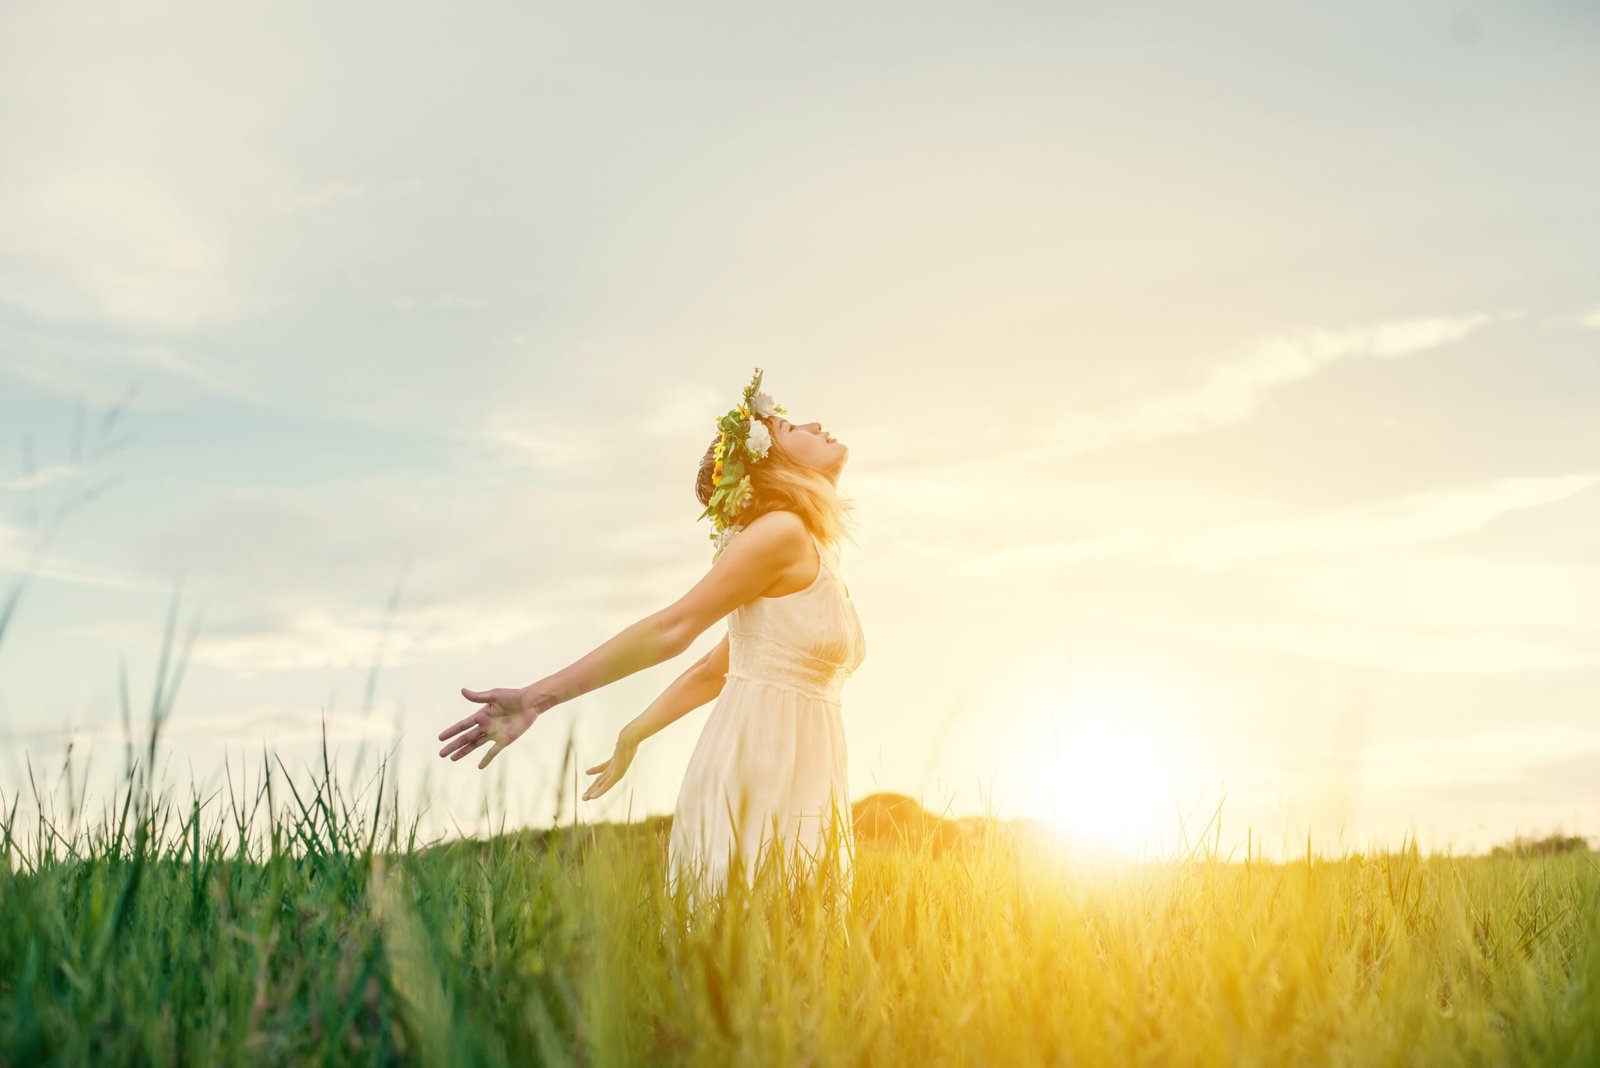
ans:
x=490 y=755
x=470 y=746
x=458 y=727
x=468 y=749
x=466 y=738
x=460 y=739
x=598 y=768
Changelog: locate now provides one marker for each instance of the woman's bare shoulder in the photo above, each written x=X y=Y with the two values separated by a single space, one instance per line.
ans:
x=783 y=536
x=780 y=522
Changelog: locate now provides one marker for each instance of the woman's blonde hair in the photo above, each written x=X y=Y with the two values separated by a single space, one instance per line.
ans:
x=780 y=482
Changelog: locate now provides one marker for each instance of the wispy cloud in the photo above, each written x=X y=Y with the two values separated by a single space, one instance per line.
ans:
x=119 y=244
x=42 y=477
x=295 y=578
x=98 y=370
x=1138 y=523
x=687 y=409
x=251 y=726
x=328 y=193
x=1232 y=390
x=1366 y=584
x=331 y=635
x=1409 y=520
x=1226 y=392
x=1500 y=754
x=1373 y=641
x=444 y=300
x=20 y=556
x=1453 y=592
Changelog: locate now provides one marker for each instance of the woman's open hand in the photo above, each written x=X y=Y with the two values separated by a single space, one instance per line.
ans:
x=611 y=769
x=505 y=715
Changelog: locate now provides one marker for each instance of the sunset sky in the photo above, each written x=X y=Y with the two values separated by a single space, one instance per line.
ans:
x=1220 y=383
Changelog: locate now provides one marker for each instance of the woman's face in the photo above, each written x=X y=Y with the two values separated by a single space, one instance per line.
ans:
x=810 y=444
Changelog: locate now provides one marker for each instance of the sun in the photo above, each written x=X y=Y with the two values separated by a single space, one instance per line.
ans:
x=1103 y=765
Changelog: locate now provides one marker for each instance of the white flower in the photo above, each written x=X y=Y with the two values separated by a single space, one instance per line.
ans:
x=759 y=441
x=723 y=537
x=740 y=495
x=764 y=405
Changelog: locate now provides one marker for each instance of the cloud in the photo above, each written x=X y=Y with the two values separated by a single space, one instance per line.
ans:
x=1227 y=392
x=540 y=447
x=1410 y=520
x=279 y=724
x=291 y=201
x=1196 y=527
x=271 y=723
x=1373 y=641
x=1231 y=391
x=1452 y=592
x=297 y=577
x=1367 y=584
x=1500 y=754
x=20 y=557
x=331 y=635
x=624 y=440
x=121 y=245
x=40 y=478
x=446 y=300
x=686 y=406
x=96 y=370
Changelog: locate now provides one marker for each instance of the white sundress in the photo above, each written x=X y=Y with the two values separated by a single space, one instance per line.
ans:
x=773 y=747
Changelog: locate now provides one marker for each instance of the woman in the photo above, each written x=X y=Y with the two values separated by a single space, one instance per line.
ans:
x=769 y=773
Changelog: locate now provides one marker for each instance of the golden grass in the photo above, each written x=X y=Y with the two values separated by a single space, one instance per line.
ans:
x=332 y=936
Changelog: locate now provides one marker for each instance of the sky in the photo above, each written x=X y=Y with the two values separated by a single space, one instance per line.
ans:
x=1219 y=383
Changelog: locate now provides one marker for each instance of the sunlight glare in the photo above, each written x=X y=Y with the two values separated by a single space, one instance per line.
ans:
x=1111 y=766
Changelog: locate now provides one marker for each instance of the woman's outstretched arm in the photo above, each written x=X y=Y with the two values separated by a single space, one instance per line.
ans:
x=702 y=682
x=768 y=547
x=751 y=562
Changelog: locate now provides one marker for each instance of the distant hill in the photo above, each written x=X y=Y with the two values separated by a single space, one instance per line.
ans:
x=895 y=819
x=1522 y=846
x=881 y=820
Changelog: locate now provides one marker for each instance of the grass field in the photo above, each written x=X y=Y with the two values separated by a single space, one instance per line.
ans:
x=333 y=937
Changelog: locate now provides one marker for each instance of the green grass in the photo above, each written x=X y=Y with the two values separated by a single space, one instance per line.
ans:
x=332 y=936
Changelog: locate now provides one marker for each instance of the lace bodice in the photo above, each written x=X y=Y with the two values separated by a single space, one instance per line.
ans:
x=808 y=641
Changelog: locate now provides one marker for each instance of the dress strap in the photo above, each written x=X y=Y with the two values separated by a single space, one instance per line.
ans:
x=830 y=561
x=824 y=555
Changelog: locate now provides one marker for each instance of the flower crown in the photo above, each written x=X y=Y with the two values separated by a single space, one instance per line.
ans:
x=742 y=440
